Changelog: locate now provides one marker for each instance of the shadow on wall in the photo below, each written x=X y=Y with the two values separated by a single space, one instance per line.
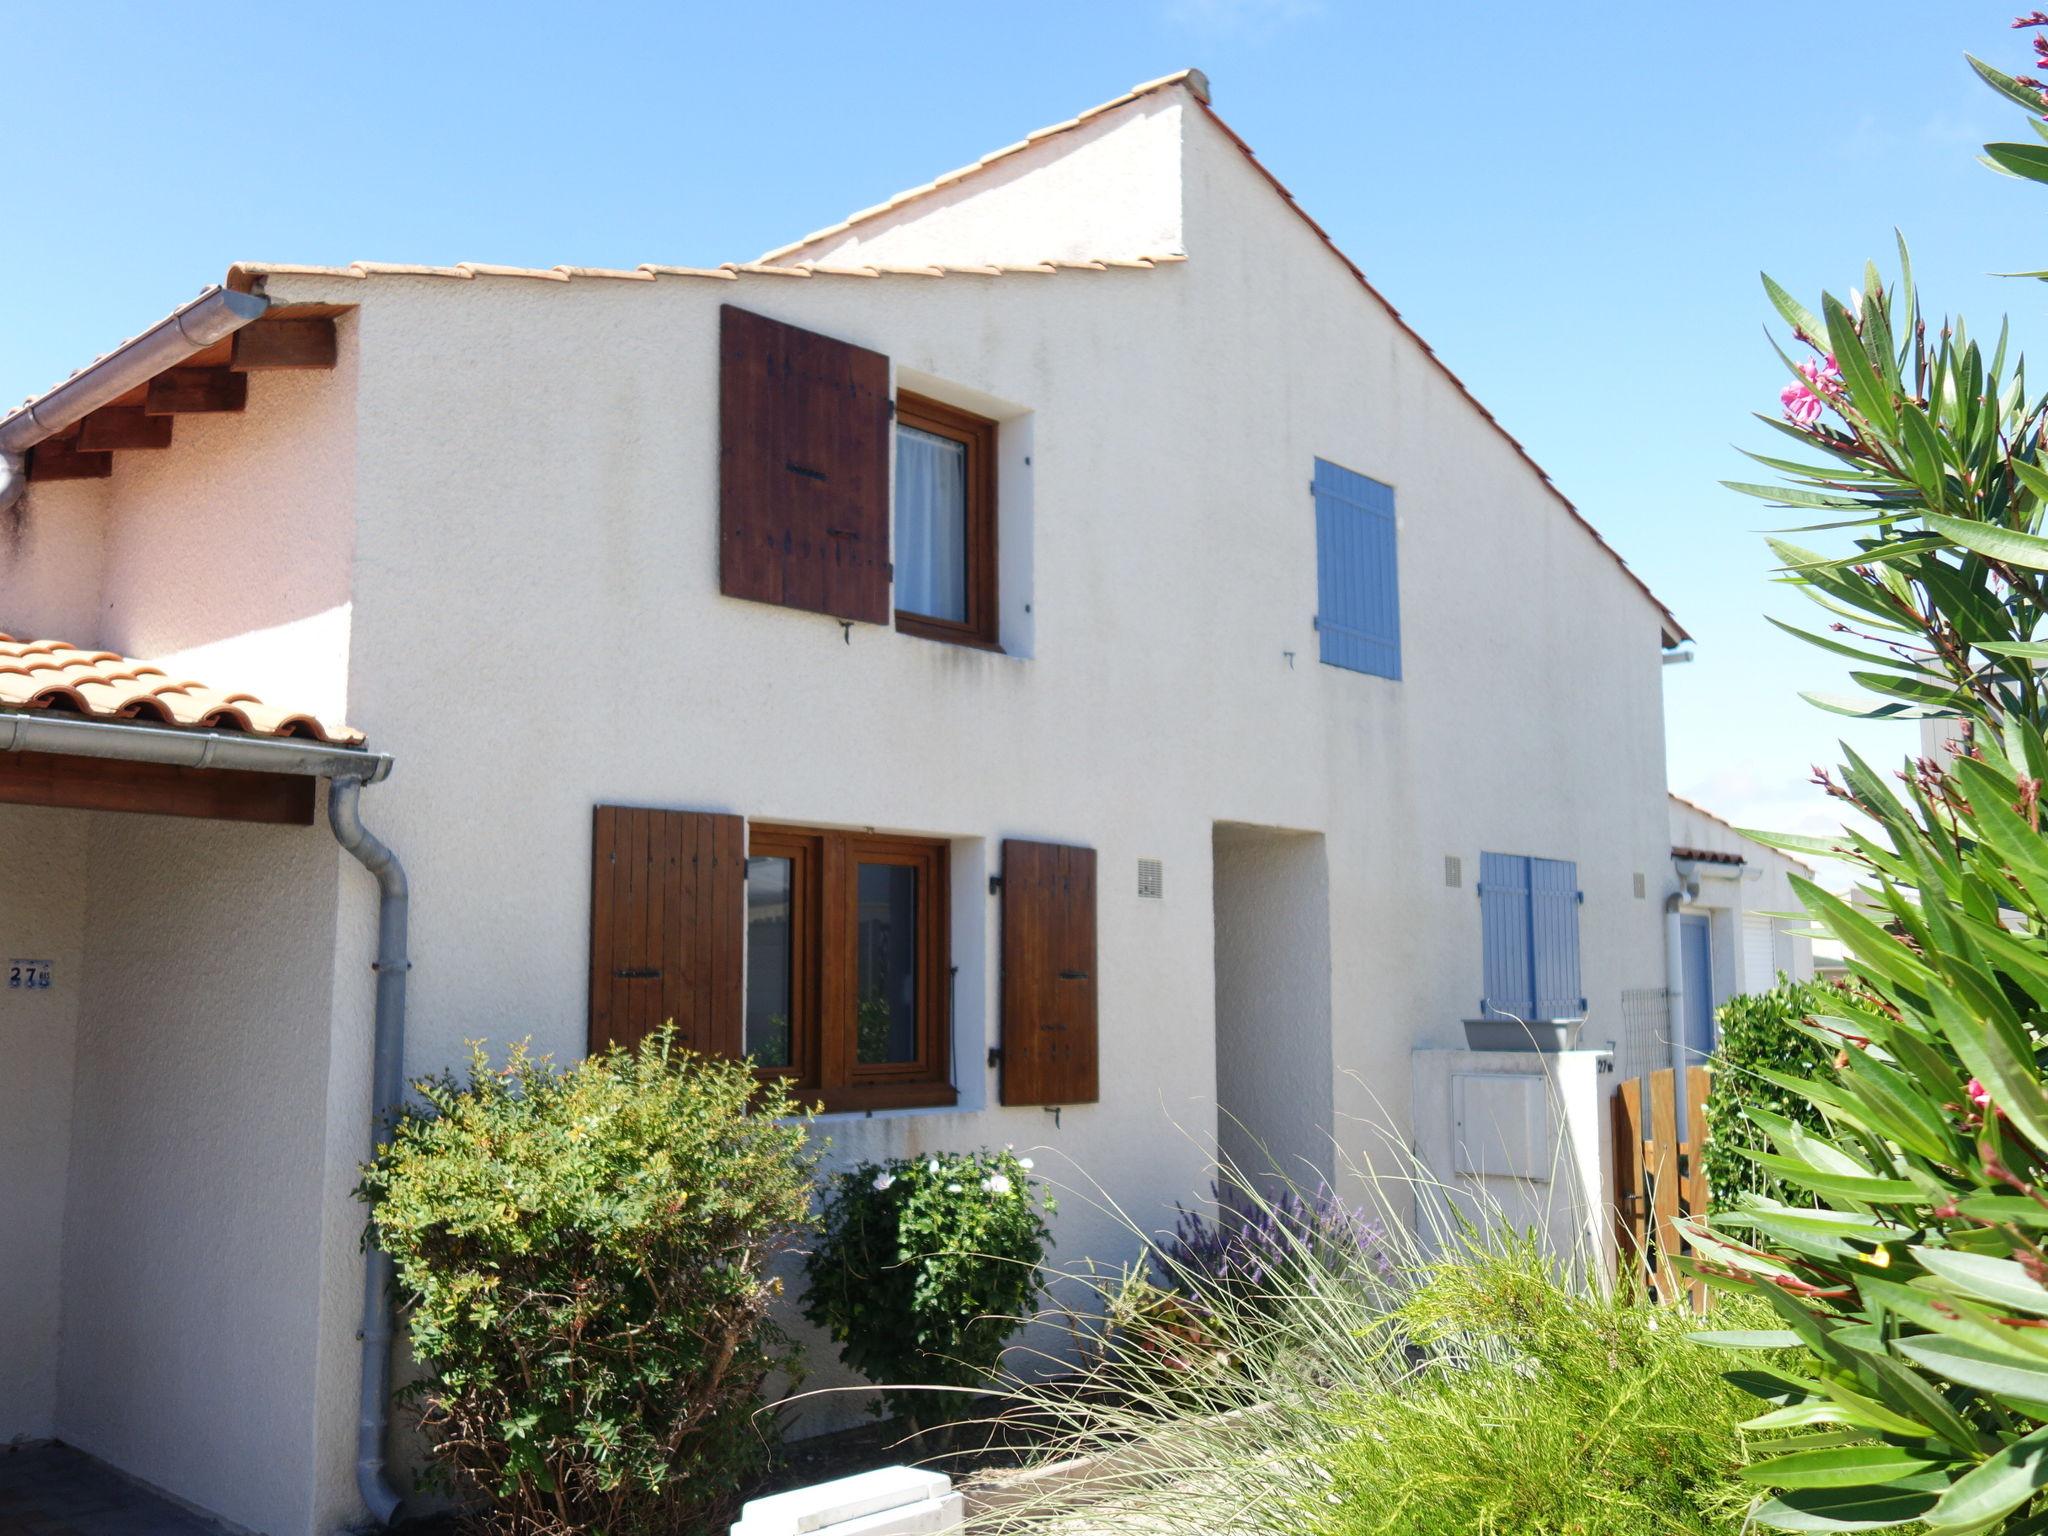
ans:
x=1275 y=1070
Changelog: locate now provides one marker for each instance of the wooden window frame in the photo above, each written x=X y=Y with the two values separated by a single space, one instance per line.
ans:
x=824 y=966
x=983 y=624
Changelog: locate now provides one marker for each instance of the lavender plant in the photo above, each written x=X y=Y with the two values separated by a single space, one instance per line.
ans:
x=1257 y=1248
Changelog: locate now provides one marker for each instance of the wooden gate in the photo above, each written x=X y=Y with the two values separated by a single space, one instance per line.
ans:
x=1658 y=1179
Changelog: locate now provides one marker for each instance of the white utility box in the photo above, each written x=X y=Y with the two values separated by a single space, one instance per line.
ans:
x=889 y=1501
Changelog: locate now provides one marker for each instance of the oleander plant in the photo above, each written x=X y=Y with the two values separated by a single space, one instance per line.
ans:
x=1906 y=1263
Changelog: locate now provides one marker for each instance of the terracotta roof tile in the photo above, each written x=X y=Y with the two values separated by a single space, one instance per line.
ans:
x=244 y=275
x=102 y=685
x=1707 y=856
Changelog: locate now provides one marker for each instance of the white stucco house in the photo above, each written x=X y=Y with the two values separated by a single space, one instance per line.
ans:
x=1039 y=661
x=1738 y=923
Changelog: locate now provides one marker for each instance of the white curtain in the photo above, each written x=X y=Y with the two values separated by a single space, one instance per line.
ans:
x=931 y=525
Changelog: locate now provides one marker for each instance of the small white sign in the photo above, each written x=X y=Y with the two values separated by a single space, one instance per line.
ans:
x=28 y=975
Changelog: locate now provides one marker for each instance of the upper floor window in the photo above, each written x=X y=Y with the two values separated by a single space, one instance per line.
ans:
x=1358 y=591
x=1529 y=934
x=945 y=545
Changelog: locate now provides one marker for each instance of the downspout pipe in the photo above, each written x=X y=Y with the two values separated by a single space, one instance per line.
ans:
x=387 y=1092
x=191 y=328
x=1674 y=980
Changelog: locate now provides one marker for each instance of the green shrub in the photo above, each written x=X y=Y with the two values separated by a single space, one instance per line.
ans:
x=924 y=1268
x=1763 y=1063
x=1543 y=1411
x=581 y=1256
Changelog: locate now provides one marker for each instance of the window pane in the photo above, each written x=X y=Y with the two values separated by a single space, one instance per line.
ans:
x=886 y=1021
x=931 y=525
x=770 y=884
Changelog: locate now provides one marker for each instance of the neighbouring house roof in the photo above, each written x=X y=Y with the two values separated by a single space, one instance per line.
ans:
x=102 y=685
x=1722 y=821
x=1707 y=856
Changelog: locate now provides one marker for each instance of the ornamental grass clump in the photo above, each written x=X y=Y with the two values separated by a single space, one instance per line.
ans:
x=581 y=1260
x=923 y=1270
x=1440 y=1378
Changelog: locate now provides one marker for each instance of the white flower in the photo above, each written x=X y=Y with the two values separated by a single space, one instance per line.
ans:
x=996 y=1184
x=932 y=1166
x=1026 y=1164
x=952 y=1189
x=884 y=1180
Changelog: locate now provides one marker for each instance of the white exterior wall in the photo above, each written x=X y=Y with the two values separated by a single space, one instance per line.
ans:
x=1734 y=896
x=42 y=917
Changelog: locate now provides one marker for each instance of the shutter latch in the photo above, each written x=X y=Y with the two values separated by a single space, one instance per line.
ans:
x=638 y=973
x=1073 y=975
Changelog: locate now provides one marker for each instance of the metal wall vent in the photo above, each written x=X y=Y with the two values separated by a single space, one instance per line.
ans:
x=1454 y=870
x=1642 y=886
x=1151 y=879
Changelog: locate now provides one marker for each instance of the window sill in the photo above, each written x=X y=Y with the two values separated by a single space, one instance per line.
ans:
x=951 y=634
x=862 y=1098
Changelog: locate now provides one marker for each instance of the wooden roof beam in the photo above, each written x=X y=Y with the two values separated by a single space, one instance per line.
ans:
x=59 y=459
x=283 y=344
x=112 y=427
x=196 y=390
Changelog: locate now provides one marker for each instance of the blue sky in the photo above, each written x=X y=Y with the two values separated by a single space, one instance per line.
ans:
x=1571 y=202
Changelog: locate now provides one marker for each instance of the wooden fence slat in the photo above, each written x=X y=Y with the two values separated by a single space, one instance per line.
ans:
x=1658 y=1179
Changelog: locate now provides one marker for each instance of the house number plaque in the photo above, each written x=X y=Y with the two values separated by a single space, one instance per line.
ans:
x=28 y=975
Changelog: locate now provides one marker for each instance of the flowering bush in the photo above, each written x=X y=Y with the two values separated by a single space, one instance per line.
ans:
x=1257 y=1248
x=1912 y=1271
x=924 y=1268
x=580 y=1253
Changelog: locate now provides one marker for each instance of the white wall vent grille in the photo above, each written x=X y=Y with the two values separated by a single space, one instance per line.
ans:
x=1454 y=870
x=1151 y=879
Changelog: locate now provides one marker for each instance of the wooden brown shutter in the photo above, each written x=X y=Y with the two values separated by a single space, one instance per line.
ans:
x=667 y=905
x=804 y=439
x=1048 y=974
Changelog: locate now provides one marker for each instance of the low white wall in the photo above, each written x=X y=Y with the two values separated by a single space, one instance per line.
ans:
x=1518 y=1139
x=42 y=916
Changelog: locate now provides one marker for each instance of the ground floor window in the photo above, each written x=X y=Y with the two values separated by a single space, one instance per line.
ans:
x=848 y=968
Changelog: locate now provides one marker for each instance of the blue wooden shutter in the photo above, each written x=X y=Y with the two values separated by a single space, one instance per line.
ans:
x=1358 y=591
x=1554 y=938
x=1504 y=936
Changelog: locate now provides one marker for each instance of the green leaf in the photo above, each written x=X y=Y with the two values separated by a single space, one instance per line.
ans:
x=2028 y=160
x=1844 y=1509
x=1747 y=1338
x=1848 y=1466
x=2026 y=550
x=1998 y=1281
x=2008 y=87
x=1867 y=392
x=1994 y=1487
x=1970 y=1365
x=1796 y=314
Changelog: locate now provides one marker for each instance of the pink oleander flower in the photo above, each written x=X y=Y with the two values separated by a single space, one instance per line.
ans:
x=1802 y=405
x=1978 y=1094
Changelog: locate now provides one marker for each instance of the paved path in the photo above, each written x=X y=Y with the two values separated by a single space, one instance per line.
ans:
x=52 y=1490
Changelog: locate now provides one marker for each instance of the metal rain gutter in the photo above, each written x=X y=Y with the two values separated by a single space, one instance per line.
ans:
x=186 y=331
x=70 y=736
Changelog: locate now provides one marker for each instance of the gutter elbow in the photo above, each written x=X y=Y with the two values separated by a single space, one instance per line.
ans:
x=13 y=479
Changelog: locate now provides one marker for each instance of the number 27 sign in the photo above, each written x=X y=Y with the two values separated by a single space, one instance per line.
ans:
x=28 y=975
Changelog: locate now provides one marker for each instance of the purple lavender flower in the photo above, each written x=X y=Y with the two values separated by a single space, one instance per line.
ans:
x=1254 y=1251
